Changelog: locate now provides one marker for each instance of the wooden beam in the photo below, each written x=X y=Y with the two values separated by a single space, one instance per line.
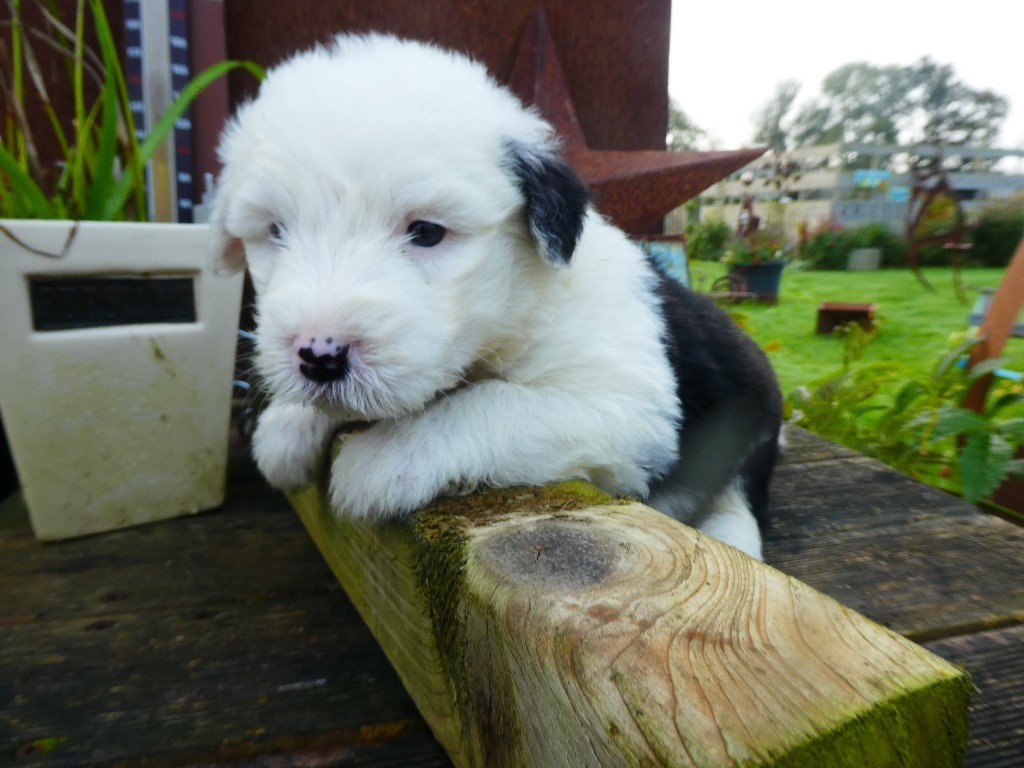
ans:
x=560 y=627
x=997 y=326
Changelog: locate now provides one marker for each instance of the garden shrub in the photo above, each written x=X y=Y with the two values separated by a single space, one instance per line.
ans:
x=707 y=240
x=915 y=423
x=998 y=229
x=829 y=248
x=938 y=219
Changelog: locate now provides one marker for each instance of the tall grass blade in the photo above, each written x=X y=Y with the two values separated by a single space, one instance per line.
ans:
x=166 y=123
x=134 y=170
x=106 y=155
x=27 y=200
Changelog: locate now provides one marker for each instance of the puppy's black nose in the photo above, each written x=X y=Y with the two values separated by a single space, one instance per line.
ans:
x=324 y=361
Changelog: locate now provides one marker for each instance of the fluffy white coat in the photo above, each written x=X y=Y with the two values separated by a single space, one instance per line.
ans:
x=483 y=359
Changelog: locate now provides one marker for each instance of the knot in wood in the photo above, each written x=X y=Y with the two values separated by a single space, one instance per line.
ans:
x=557 y=555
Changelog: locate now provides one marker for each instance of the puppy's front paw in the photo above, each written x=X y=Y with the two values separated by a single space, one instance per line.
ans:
x=378 y=473
x=289 y=444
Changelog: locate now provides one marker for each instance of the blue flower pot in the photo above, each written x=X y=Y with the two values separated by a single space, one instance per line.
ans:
x=762 y=280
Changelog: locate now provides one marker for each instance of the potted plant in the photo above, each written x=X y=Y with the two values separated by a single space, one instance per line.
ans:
x=118 y=341
x=755 y=263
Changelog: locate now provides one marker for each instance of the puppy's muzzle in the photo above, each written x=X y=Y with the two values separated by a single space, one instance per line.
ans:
x=324 y=360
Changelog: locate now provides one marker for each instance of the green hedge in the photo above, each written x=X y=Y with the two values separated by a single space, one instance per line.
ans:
x=829 y=249
x=707 y=240
x=999 y=227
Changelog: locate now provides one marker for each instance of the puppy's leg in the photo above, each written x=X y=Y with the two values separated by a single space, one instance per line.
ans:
x=730 y=519
x=501 y=434
x=289 y=443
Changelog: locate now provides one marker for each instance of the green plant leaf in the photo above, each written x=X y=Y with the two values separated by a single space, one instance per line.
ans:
x=954 y=420
x=80 y=163
x=29 y=200
x=907 y=394
x=166 y=122
x=986 y=367
x=114 y=77
x=1003 y=401
x=106 y=153
x=984 y=462
x=953 y=355
x=1012 y=430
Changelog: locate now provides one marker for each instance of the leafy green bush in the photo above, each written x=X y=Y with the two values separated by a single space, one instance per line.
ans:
x=999 y=227
x=707 y=240
x=915 y=423
x=829 y=248
x=758 y=247
x=878 y=235
x=938 y=218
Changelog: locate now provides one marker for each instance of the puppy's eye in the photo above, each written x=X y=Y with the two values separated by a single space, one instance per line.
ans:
x=425 y=234
x=276 y=231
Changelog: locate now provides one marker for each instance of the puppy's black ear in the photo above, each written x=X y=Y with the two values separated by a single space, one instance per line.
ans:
x=556 y=199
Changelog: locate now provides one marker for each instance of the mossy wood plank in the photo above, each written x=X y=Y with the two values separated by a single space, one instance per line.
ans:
x=559 y=627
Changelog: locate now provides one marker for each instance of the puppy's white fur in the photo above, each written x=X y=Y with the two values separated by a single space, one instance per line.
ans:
x=483 y=360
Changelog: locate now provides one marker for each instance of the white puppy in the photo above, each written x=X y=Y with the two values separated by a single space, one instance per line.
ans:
x=426 y=263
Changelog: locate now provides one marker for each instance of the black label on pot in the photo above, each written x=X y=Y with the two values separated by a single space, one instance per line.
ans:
x=62 y=303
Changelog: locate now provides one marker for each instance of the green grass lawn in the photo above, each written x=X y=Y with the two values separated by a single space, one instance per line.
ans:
x=914 y=324
x=891 y=411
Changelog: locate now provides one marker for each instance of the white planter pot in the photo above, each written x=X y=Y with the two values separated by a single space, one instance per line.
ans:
x=864 y=259
x=115 y=424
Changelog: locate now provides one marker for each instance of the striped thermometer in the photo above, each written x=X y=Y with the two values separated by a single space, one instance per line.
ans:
x=156 y=69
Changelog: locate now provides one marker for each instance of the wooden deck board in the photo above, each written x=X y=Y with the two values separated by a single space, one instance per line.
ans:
x=995 y=661
x=219 y=638
x=907 y=555
x=224 y=638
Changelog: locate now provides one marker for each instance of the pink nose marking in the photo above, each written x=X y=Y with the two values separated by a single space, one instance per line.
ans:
x=323 y=359
x=325 y=346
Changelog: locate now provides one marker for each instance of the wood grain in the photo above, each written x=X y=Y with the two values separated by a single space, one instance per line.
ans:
x=559 y=627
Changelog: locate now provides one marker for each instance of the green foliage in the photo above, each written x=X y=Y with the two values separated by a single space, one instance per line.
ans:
x=771 y=118
x=913 y=421
x=714 y=240
x=707 y=240
x=868 y=103
x=100 y=174
x=998 y=229
x=939 y=218
x=759 y=247
x=855 y=341
x=683 y=133
x=828 y=248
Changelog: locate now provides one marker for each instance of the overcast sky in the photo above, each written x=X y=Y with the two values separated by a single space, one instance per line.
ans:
x=727 y=57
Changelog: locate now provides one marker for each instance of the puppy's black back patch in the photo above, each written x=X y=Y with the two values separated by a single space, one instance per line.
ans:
x=732 y=406
x=556 y=200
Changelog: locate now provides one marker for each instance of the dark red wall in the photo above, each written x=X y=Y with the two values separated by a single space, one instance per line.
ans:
x=615 y=52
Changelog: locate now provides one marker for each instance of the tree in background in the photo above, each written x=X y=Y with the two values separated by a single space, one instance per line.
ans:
x=772 y=126
x=859 y=102
x=955 y=113
x=866 y=103
x=683 y=133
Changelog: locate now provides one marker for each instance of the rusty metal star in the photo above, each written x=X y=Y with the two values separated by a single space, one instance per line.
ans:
x=634 y=189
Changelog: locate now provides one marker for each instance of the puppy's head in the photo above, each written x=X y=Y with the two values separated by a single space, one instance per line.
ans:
x=397 y=211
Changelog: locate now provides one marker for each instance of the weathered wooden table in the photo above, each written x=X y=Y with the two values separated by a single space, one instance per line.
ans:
x=224 y=638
